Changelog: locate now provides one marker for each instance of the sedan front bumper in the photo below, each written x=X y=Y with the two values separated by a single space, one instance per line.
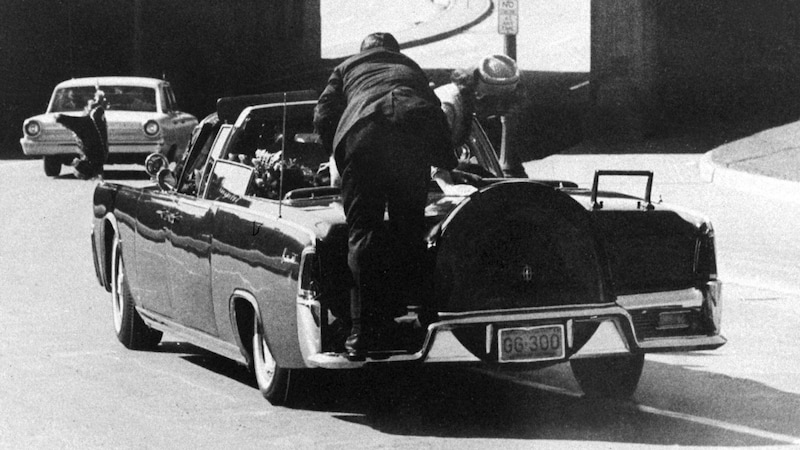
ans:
x=33 y=148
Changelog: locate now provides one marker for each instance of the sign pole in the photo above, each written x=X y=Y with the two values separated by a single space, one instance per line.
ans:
x=510 y=46
x=508 y=26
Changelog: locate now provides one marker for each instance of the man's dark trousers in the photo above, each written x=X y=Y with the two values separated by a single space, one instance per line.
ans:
x=385 y=169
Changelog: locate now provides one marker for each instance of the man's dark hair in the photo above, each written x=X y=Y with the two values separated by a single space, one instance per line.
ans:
x=380 y=40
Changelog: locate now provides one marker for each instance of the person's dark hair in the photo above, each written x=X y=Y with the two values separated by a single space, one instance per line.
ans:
x=380 y=40
x=464 y=78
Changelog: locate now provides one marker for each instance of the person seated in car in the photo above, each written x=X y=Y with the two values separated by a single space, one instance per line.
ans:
x=483 y=88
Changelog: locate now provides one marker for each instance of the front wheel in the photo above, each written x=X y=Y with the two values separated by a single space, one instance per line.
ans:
x=52 y=166
x=608 y=376
x=274 y=381
x=131 y=330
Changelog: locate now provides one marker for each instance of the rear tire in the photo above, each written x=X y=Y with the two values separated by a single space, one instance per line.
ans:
x=274 y=382
x=52 y=166
x=131 y=330
x=609 y=376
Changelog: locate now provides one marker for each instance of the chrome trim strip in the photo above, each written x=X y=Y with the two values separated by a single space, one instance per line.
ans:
x=608 y=339
x=684 y=298
x=619 y=334
x=197 y=338
x=448 y=315
x=489 y=337
x=544 y=313
x=683 y=344
x=70 y=148
x=446 y=348
x=570 y=338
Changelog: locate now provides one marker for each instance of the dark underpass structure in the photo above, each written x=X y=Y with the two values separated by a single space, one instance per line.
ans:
x=654 y=64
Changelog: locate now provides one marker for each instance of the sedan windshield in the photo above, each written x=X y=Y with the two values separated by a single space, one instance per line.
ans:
x=120 y=98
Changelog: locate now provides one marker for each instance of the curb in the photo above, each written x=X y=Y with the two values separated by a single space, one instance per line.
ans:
x=456 y=18
x=774 y=188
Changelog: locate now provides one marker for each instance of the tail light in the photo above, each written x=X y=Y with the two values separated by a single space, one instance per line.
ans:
x=705 y=264
x=309 y=311
x=309 y=275
x=308 y=282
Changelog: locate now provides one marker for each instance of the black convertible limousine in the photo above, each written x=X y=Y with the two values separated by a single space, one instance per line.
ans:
x=241 y=250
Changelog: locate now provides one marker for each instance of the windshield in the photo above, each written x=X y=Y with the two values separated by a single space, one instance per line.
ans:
x=478 y=155
x=257 y=141
x=119 y=98
x=266 y=143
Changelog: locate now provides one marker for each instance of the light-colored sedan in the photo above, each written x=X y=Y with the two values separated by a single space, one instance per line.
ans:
x=142 y=116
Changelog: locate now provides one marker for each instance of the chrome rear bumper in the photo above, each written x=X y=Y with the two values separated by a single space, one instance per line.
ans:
x=614 y=334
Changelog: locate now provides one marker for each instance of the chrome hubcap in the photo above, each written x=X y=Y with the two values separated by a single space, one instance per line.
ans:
x=116 y=290
x=265 y=362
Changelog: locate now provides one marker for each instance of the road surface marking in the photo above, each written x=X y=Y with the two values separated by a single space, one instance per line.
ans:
x=719 y=424
x=656 y=411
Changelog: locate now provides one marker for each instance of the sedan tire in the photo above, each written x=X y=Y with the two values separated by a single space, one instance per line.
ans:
x=131 y=330
x=52 y=166
x=274 y=381
x=609 y=376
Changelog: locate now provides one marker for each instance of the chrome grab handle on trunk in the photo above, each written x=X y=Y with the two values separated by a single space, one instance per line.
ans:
x=623 y=173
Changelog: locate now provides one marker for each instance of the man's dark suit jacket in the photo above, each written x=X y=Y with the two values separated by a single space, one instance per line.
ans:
x=381 y=82
x=92 y=130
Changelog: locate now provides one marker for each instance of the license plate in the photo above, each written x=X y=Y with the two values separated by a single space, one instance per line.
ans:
x=530 y=343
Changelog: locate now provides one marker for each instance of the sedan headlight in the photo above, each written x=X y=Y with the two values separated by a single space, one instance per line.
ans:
x=151 y=128
x=33 y=128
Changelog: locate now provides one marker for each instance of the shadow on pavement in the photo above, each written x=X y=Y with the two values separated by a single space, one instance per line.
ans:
x=467 y=404
x=210 y=361
x=125 y=174
x=449 y=402
x=108 y=175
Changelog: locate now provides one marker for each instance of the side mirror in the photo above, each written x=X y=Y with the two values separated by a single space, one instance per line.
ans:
x=166 y=180
x=154 y=163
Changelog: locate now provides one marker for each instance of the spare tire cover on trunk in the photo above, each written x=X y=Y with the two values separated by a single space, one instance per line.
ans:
x=519 y=244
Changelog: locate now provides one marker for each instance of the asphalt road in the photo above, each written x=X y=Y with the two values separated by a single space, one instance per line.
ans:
x=67 y=383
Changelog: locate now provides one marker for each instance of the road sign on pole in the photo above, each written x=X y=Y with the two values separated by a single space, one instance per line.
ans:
x=508 y=17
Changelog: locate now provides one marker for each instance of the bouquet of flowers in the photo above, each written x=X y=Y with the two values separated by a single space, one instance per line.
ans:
x=267 y=172
x=268 y=168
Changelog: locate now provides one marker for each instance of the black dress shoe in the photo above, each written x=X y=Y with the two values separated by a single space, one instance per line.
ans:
x=356 y=347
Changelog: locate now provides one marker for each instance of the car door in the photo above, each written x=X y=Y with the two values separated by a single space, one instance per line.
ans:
x=187 y=251
x=188 y=262
x=151 y=286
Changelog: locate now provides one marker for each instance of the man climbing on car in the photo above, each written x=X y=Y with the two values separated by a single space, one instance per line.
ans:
x=385 y=128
